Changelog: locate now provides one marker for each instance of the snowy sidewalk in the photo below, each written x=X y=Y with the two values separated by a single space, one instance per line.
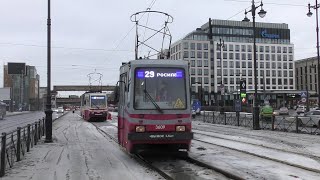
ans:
x=79 y=151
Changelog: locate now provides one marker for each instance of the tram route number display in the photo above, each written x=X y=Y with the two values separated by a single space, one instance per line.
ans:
x=158 y=74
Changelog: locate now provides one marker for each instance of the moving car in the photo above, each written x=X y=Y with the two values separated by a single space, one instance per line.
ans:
x=284 y=111
x=60 y=110
x=301 y=109
x=311 y=118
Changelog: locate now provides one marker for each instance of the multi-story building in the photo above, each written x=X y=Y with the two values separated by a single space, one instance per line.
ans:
x=209 y=66
x=307 y=77
x=25 y=88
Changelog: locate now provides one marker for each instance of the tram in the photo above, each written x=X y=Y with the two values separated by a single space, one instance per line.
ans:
x=94 y=106
x=154 y=105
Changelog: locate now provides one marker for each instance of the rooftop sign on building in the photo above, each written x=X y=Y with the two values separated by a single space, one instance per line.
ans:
x=16 y=68
x=265 y=34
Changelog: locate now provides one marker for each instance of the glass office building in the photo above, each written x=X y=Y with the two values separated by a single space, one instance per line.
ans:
x=209 y=66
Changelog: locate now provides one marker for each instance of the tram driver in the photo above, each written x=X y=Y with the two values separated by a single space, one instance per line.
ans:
x=163 y=92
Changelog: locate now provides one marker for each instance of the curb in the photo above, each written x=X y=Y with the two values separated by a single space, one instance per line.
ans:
x=15 y=114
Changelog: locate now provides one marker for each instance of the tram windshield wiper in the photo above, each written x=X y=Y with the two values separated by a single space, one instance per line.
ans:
x=153 y=101
x=95 y=105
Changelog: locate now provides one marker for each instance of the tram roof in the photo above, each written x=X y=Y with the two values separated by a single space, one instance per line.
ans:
x=158 y=62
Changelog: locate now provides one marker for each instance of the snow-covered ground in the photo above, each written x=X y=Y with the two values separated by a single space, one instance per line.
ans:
x=258 y=154
x=253 y=154
x=79 y=151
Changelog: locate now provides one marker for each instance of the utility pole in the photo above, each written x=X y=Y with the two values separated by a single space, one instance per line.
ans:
x=220 y=45
x=48 y=105
x=309 y=14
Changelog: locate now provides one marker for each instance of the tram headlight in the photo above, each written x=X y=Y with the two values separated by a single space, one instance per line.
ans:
x=180 y=128
x=140 y=128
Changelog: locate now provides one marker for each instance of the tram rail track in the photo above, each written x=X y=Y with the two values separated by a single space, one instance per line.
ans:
x=256 y=154
x=149 y=164
x=262 y=146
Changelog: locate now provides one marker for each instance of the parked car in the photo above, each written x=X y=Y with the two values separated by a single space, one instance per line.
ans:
x=60 y=110
x=311 y=118
x=284 y=111
x=301 y=109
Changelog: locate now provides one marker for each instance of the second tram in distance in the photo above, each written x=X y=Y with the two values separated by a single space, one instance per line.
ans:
x=94 y=106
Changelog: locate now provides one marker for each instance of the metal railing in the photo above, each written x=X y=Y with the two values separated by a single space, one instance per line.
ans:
x=296 y=124
x=15 y=144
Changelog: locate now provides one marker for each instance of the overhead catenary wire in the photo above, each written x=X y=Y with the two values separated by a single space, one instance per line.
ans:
x=62 y=47
x=271 y=3
x=149 y=7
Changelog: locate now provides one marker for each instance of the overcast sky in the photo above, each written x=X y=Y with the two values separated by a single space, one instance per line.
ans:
x=98 y=34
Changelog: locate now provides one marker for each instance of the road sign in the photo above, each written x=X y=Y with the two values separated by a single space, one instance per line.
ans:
x=303 y=94
x=303 y=100
x=243 y=95
x=243 y=100
x=237 y=105
x=243 y=86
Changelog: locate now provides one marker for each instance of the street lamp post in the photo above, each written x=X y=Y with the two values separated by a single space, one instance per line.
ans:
x=48 y=105
x=309 y=14
x=262 y=13
x=220 y=45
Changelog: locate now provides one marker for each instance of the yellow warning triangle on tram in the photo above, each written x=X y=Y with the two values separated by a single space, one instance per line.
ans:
x=179 y=104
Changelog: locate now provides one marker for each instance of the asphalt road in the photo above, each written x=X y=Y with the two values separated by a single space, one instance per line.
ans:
x=10 y=123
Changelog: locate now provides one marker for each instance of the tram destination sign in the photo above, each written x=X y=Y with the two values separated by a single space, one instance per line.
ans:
x=159 y=73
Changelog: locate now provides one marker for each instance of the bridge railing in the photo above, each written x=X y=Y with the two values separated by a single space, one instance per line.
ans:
x=15 y=144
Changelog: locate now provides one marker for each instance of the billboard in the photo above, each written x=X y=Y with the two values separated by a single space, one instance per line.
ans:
x=16 y=68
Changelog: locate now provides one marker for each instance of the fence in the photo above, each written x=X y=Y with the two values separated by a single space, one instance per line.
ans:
x=15 y=144
x=296 y=124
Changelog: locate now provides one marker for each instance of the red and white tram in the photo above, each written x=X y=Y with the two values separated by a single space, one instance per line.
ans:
x=94 y=106
x=154 y=105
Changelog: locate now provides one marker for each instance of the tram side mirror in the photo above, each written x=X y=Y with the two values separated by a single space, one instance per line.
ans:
x=116 y=94
x=117 y=90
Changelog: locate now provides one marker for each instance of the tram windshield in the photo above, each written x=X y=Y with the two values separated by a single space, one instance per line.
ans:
x=160 y=88
x=98 y=102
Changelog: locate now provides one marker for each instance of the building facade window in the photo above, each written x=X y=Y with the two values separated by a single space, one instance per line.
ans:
x=186 y=54
x=199 y=54
x=193 y=63
x=192 y=54
x=199 y=63
x=192 y=46
x=185 y=45
x=199 y=46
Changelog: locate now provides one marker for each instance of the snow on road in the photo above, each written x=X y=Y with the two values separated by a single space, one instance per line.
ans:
x=283 y=148
x=79 y=151
x=280 y=146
